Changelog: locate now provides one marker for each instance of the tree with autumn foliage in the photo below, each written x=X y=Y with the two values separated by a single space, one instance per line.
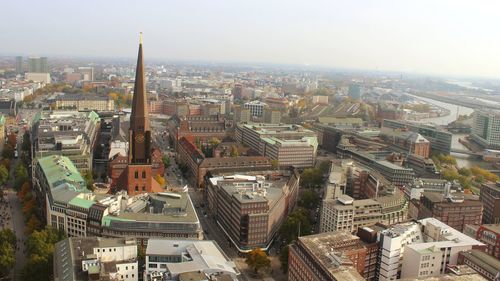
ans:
x=257 y=259
x=160 y=179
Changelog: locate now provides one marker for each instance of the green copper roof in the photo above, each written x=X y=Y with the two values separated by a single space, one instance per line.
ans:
x=2 y=120
x=106 y=220
x=59 y=169
x=82 y=203
x=94 y=117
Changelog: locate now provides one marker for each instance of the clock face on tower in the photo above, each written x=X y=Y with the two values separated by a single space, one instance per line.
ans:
x=139 y=138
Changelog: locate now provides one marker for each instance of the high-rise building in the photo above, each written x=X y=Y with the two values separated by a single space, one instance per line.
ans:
x=354 y=91
x=238 y=91
x=256 y=108
x=331 y=256
x=490 y=196
x=486 y=128
x=38 y=65
x=272 y=116
x=19 y=64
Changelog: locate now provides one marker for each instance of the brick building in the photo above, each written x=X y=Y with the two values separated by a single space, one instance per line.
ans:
x=453 y=209
x=490 y=196
x=336 y=255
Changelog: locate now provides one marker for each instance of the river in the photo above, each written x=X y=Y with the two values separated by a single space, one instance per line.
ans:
x=455 y=111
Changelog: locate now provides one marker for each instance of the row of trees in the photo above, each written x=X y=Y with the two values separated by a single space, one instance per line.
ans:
x=40 y=253
x=7 y=251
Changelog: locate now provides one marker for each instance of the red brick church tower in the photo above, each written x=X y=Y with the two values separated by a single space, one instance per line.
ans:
x=139 y=173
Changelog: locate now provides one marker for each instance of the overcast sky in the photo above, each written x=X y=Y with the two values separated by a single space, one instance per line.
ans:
x=440 y=37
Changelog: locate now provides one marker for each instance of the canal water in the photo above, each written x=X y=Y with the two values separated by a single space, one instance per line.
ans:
x=455 y=111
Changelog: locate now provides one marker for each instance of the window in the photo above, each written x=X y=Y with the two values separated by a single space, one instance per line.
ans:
x=143 y=188
x=136 y=174
x=143 y=174
x=136 y=188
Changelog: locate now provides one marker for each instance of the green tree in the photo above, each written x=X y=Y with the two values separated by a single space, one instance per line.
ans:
x=257 y=259
x=297 y=223
x=284 y=258
x=21 y=175
x=26 y=145
x=324 y=166
x=464 y=172
x=311 y=177
x=4 y=174
x=89 y=180
x=40 y=250
x=308 y=199
x=7 y=258
x=234 y=151
x=166 y=161
x=8 y=151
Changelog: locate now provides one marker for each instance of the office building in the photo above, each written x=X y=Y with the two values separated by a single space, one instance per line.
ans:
x=93 y=258
x=329 y=256
x=237 y=91
x=420 y=249
x=453 y=209
x=87 y=73
x=354 y=91
x=489 y=234
x=68 y=133
x=251 y=207
x=490 y=197
x=418 y=186
x=256 y=108
x=85 y=102
x=484 y=264
x=368 y=238
x=396 y=174
x=440 y=248
x=241 y=115
x=170 y=259
x=290 y=145
x=199 y=128
x=199 y=165
x=19 y=65
x=272 y=116
x=318 y=99
x=38 y=65
x=439 y=139
x=486 y=128
x=37 y=77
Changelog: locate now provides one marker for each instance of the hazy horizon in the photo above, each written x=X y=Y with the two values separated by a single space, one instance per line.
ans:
x=453 y=38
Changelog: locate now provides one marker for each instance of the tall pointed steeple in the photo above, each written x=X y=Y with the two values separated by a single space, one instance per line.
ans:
x=139 y=132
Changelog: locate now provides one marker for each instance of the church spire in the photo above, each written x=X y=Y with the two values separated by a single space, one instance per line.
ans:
x=139 y=132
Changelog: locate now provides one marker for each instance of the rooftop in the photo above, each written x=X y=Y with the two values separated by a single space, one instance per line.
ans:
x=60 y=169
x=199 y=255
x=489 y=263
x=326 y=248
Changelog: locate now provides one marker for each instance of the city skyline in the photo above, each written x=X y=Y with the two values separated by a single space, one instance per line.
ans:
x=387 y=36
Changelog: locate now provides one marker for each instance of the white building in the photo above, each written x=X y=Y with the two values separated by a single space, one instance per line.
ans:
x=420 y=249
x=167 y=259
x=320 y=99
x=93 y=258
x=441 y=248
x=256 y=107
